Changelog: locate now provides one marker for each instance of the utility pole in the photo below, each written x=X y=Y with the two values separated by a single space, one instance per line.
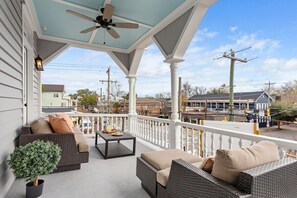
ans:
x=108 y=87
x=269 y=86
x=268 y=117
x=233 y=59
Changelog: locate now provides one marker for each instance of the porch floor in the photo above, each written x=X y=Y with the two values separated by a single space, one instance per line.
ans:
x=111 y=178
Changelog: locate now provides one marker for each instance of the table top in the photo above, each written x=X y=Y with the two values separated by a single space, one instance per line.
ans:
x=108 y=136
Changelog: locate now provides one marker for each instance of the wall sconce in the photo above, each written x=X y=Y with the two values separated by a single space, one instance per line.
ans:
x=38 y=63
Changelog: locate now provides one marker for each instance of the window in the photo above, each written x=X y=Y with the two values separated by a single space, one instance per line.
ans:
x=56 y=95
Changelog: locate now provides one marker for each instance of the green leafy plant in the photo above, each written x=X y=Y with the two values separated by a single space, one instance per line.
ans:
x=35 y=159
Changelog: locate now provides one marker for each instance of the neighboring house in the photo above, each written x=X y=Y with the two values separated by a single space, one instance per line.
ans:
x=54 y=98
x=252 y=101
x=148 y=106
x=291 y=98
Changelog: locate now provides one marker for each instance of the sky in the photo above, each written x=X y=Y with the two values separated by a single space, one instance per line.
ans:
x=269 y=26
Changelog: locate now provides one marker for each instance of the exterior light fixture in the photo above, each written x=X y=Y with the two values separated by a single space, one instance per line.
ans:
x=38 y=63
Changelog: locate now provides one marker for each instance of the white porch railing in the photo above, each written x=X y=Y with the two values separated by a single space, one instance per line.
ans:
x=198 y=139
x=89 y=123
x=151 y=129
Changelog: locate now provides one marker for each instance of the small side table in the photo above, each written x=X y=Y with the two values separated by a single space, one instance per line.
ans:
x=113 y=147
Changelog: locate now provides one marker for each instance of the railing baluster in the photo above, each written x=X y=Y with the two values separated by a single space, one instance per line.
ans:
x=166 y=136
x=198 y=143
x=192 y=141
x=240 y=143
x=212 y=144
x=282 y=153
x=82 y=123
x=221 y=141
x=230 y=142
x=186 y=139
x=205 y=144
x=93 y=123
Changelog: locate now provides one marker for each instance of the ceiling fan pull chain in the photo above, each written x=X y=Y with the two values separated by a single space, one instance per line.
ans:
x=104 y=37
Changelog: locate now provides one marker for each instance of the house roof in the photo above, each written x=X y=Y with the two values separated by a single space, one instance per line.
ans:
x=52 y=88
x=225 y=96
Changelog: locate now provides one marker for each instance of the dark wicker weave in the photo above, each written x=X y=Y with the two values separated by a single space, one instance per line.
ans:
x=70 y=157
x=147 y=174
x=275 y=179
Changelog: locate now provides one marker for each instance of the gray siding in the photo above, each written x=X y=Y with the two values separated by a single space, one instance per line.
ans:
x=11 y=85
x=36 y=84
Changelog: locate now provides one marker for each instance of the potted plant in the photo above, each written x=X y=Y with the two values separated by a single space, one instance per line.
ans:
x=31 y=161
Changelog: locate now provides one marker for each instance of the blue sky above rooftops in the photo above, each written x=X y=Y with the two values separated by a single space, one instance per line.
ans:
x=270 y=27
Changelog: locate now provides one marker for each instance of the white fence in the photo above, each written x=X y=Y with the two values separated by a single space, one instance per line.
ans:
x=151 y=129
x=204 y=141
x=89 y=123
x=198 y=139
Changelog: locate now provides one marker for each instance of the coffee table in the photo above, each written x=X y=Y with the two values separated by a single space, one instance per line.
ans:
x=113 y=146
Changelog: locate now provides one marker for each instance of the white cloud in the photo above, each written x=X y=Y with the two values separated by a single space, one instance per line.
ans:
x=233 y=28
x=204 y=34
x=277 y=65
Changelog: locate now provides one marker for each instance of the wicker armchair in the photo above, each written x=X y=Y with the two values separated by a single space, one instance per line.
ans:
x=275 y=179
x=71 y=159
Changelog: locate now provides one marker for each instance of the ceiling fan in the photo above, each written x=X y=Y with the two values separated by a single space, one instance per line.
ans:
x=105 y=21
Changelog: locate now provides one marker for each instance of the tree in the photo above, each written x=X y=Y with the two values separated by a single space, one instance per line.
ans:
x=288 y=88
x=163 y=96
x=222 y=89
x=187 y=89
x=199 y=90
x=87 y=97
x=116 y=107
x=285 y=111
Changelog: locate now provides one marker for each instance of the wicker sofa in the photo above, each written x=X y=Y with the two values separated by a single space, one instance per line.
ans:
x=277 y=178
x=74 y=147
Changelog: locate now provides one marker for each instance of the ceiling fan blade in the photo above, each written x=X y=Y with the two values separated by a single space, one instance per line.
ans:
x=80 y=15
x=113 y=33
x=126 y=25
x=89 y=29
x=108 y=12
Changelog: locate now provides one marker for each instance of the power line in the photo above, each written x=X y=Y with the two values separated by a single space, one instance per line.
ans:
x=233 y=59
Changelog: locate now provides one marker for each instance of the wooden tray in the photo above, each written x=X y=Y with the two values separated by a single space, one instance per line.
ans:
x=117 y=134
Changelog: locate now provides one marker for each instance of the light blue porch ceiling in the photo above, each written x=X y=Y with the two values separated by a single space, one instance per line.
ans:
x=56 y=23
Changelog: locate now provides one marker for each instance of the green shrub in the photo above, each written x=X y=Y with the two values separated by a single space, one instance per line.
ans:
x=34 y=159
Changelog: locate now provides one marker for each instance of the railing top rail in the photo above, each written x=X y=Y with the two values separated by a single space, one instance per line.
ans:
x=281 y=142
x=152 y=118
x=97 y=115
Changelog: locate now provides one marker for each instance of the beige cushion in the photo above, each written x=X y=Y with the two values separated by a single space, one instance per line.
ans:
x=67 y=118
x=162 y=159
x=163 y=175
x=59 y=125
x=41 y=127
x=76 y=130
x=229 y=163
x=81 y=142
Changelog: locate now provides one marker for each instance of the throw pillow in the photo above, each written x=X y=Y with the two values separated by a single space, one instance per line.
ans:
x=207 y=164
x=229 y=163
x=66 y=117
x=41 y=127
x=59 y=125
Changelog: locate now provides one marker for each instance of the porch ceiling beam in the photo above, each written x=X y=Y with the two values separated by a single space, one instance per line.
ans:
x=82 y=44
x=96 y=11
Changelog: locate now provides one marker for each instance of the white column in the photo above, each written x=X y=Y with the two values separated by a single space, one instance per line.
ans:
x=132 y=95
x=132 y=101
x=174 y=90
x=175 y=131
